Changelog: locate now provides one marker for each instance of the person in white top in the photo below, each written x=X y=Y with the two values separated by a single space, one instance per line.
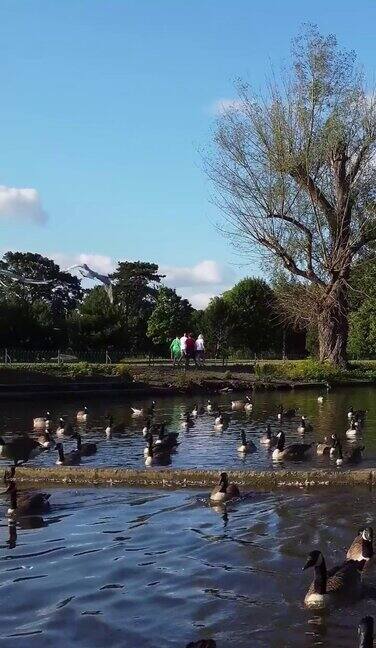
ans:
x=183 y=347
x=200 y=349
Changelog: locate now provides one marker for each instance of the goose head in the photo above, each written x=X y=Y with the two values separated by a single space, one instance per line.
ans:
x=314 y=559
x=223 y=482
x=366 y=533
x=243 y=437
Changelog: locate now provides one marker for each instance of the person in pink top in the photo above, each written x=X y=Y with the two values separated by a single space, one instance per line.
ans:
x=190 y=351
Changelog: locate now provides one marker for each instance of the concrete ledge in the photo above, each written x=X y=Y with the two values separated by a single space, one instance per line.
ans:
x=177 y=479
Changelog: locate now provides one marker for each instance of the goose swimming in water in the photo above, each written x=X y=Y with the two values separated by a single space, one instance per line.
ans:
x=224 y=491
x=144 y=411
x=365 y=632
x=64 y=428
x=237 y=404
x=248 y=404
x=85 y=449
x=304 y=426
x=352 y=456
x=268 y=439
x=166 y=440
x=334 y=586
x=82 y=415
x=42 y=421
x=26 y=503
x=293 y=452
x=246 y=446
x=353 y=430
x=69 y=459
x=326 y=448
x=155 y=454
x=20 y=449
x=361 y=548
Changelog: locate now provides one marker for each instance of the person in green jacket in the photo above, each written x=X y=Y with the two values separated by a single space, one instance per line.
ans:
x=175 y=350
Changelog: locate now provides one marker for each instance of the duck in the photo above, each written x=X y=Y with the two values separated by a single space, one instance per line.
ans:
x=64 y=428
x=27 y=503
x=42 y=421
x=353 y=430
x=268 y=439
x=69 y=459
x=224 y=491
x=304 y=426
x=20 y=449
x=246 y=446
x=85 y=449
x=82 y=414
x=325 y=448
x=248 y=406
x=293 y=452
x=45 y=440
x=144 y=411
x=365 y=632
x=166 y=440
x=352 y=456
x=361 y=549
x=332 y=587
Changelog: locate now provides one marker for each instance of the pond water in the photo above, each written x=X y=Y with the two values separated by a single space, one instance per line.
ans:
x=128 y=568
x=201 y=446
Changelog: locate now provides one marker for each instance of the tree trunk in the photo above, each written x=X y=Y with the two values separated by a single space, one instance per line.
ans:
x=333 y=328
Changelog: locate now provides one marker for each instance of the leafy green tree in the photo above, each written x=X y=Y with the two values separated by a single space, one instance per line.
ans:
x=296 y=179
x=97 y=324
x=255 y=324
x=61 y=295
x=135 y=291
x=218 y=324
x=171 y=316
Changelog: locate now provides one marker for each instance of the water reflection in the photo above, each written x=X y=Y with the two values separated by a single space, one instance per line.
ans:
x=129 y=567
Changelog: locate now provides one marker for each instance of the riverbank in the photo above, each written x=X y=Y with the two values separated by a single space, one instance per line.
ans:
x=26 y=380
x=168 y=478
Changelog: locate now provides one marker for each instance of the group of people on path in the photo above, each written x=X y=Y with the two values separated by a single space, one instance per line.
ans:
x=187 y=348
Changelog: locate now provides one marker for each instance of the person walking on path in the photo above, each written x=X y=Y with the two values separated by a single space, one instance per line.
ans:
x=200 y=350
x=183 y=347
x=175 y=350
x=190 y=351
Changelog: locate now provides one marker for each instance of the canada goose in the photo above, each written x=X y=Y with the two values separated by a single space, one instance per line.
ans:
x=293 y=452
x=156 y=455
x=268 y=439
x=220 y=421
x=352 y=432
x=82 y=414
x=187 y=421
x=209 y=406
x=248 y=404
x=246 y=446
x=325 y=447
x=144 y=411
x=20 y=449
x=320 y=400
x=112 y=428
x=304 y=426
x=365 y=632
x=166 y=440
x=85 y=449
x=69 y=459
x=331 y=587
x=203 y=643
x=224 y=491
x=198 y=410
x=352 y=456
x=146 y=428
x=280 y=413
x=361 y=548
x=28 y=503
x=237 y=404
x=44 y=439
x=42 y=421
x=356 y=414
x=64 y=428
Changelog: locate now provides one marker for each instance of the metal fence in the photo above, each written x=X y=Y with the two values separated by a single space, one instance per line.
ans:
x=110 y=356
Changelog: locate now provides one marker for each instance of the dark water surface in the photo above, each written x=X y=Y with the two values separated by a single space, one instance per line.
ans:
x=129 y=568
x=200 y=446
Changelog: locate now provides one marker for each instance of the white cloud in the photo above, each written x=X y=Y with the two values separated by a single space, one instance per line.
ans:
x=99 y=262
x=200 y=300
x=226 y=105
x=23 y=204
x=203 y=273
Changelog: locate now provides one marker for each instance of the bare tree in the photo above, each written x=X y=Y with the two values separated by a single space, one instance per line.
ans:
x=295 y=177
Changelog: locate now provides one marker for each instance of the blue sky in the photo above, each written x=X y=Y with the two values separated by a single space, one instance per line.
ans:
x=104 y=107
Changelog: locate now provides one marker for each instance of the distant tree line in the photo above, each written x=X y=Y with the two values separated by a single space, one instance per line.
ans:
x=145 y=316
